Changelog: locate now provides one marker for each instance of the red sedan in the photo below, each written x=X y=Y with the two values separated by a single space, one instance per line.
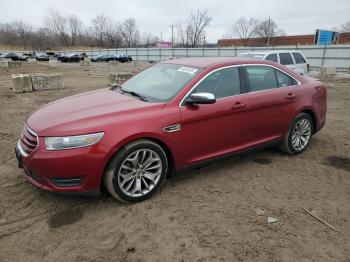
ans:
x=171 y=116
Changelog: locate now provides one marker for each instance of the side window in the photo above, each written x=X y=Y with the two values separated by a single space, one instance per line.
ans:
x=261 y=78
x=286 y=59
x=284 y=80
x=299 y=59
x=222 y=83
x=272 y=57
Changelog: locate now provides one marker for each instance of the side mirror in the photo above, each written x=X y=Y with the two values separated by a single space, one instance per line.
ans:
x=201 y=98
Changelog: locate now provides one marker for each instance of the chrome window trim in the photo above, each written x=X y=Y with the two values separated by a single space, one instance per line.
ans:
x=204 y=77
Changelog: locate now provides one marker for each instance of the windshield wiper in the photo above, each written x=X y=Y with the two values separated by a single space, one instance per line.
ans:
x=133 y=93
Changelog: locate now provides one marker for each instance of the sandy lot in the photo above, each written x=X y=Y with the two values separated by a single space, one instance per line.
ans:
x=218 y=213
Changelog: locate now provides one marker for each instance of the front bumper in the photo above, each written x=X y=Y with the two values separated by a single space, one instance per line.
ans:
x=73 y=171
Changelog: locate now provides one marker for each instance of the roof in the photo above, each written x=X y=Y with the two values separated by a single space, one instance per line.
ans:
x=264 y=52
x=204 y=62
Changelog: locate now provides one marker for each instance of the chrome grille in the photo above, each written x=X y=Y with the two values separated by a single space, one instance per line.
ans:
x=28 y=141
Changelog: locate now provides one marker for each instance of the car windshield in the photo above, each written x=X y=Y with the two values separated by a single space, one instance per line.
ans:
x=256 y=56
x=161 y=82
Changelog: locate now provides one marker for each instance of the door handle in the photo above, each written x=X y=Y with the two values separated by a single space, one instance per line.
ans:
x=291 y=96
x=238 y=105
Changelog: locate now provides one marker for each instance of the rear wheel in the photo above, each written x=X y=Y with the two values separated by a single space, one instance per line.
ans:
x=299 y=135
x=137 y=171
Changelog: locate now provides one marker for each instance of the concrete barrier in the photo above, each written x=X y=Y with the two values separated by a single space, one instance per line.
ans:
x=118 y=79
x=22 y=83
x=47 y=81
x=4 y=64
x=113 y=63
x=85 y=63
x=325 y=71
x=15 y=64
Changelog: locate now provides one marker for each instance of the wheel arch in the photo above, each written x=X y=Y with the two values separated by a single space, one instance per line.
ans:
x=312 y=114
x=120 y=146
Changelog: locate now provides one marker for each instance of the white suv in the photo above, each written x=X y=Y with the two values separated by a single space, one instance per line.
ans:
x=293 y=59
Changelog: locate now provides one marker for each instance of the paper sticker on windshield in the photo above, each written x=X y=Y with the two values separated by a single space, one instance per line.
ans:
x=188 y=70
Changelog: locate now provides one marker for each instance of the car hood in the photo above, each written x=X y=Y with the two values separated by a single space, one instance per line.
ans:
x=87 y=112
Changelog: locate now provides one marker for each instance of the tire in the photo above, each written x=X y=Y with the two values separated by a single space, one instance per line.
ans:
x=303 y=127
x=121 y=184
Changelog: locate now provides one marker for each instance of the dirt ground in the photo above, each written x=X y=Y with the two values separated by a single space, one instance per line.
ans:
x=218 y=213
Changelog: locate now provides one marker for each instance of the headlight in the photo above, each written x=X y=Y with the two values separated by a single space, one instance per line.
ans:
x=58 y=143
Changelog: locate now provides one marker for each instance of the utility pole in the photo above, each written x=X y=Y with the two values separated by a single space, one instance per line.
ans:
x=172 y=36
x=269 y=32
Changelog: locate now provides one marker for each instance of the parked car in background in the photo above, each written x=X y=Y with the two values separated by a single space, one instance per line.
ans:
x=50 y=53
x=73 y=57
x=172 y=116
x=14 y=57
x=123 y=58
x=59 y=56
x=41 y=57
x=292 y=58
x=103 y=58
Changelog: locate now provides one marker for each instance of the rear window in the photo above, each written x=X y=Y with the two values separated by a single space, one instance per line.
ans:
x=286 y=59
x=272 y=57
x=299 y=59
x=284 y=80
x=261 y=78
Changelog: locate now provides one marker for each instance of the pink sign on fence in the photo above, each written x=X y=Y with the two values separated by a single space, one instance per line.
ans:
x=164 y=44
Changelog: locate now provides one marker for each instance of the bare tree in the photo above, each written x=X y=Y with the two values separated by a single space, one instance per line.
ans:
x=268 y=29
x=197 y=22
x=100 y=24
x=42 y=39
x=345 y=28
x=113 y=35
x=148 y=39
x=193 y=31
x=75 y=28
x=7 y=34
x=23 y=32
x=244 y=28
x=57 y=23
x=130 y=32
x=181 y=34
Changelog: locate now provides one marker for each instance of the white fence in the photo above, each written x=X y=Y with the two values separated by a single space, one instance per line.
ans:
x=329 y=56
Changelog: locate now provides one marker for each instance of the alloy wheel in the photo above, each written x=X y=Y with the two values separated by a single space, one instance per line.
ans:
x=140 y=172
x=301 y=134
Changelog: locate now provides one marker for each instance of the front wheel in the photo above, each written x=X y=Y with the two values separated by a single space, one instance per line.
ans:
x=298 y=136
x=136 y=172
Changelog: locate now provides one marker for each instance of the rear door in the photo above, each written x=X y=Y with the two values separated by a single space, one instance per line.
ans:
x=270 y=96
x=272 y=57
x=287 y=60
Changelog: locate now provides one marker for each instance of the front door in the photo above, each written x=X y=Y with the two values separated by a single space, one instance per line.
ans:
x=215 y=129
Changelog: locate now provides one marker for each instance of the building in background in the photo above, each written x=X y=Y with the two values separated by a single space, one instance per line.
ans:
x=344 y=38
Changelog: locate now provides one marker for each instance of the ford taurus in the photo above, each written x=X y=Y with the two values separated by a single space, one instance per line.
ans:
x=169 y=117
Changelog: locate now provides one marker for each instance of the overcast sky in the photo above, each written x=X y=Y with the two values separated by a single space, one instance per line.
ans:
x=156 y=16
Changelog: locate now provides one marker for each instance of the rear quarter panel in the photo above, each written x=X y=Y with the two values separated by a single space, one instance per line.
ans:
x=313 y=96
